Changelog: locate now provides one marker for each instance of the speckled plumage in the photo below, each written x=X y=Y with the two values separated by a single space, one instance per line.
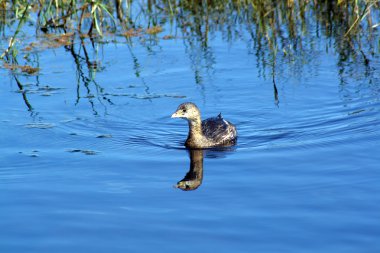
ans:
x=212 y=132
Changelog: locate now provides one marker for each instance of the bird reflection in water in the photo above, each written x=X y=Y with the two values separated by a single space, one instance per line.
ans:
x=193 y=178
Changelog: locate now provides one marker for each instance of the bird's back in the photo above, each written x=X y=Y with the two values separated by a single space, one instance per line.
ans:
x=219 y=131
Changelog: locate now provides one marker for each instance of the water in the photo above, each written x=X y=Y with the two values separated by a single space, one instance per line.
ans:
x=94 y=165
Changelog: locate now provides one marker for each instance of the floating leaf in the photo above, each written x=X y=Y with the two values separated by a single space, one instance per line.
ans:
x=154 y=30
x=168 y=37
x=26 y=68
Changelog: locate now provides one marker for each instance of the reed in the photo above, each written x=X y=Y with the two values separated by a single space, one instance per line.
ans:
x=276 y=28
x=267 y=15
x=283 y=35
x=17 y=31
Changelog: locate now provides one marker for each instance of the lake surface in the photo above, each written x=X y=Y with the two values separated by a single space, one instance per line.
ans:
x=89 y=159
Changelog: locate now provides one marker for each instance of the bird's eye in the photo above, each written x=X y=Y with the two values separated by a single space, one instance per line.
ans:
x=183 y=110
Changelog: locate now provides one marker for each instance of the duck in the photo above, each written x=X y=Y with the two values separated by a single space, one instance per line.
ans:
x=209 y=133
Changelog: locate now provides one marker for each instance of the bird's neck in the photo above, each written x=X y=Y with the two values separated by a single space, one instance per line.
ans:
x=195 y=128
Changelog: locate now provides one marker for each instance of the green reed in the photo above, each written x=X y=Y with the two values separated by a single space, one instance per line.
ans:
x=17 y=31
x=277 y=28
x=267 y=16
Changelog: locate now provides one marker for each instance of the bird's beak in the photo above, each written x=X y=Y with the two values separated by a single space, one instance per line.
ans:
x=175 y=115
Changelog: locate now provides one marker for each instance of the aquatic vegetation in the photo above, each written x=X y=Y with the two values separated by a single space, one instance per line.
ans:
x=285 y=32
x=154 y=30
x=276 y=22
x=26 y=69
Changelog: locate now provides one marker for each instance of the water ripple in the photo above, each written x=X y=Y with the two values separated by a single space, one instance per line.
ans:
x=315 y=128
